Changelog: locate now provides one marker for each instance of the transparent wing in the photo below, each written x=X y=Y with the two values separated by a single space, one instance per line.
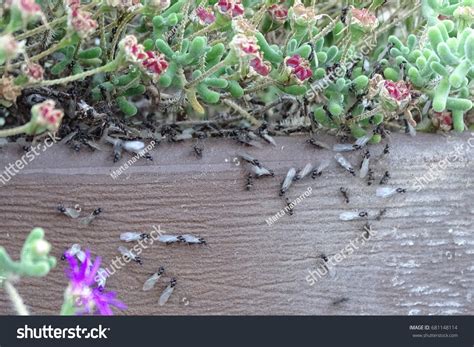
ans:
x=129 y=236
x=362 y=141
x=269 y=139
x=150 y=283
x=305 y=171
x=165 y=295
x=191 y=238
x=167 y=238
x=385 y=192
x=81 y=255
x=364 y=169
x=348 y=215
x=343 y=161
x=322 y=166
x=75 y=249
x=72 y=212
x=133 y=146
x=87 y=220
x=124 y=251
x=288 y=180
x=103 y=274
x=248 y=158
x=343 y=147
x=260 y=171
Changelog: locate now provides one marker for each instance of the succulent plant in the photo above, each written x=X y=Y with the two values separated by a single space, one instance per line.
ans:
x=206 y=55
x=34 y=259
x=440 y=64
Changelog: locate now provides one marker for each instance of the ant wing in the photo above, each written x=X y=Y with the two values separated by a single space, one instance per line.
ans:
x=364 y=169
x=124 y=251
x=290 y=176
x=96 y=146
x=305 y=171
x=71 y=212
x=269 y=139
x=362 y=141
x=167 y=238
x=385 y=192
x=103 y=274
x=166 y=295
x=346 y=216
x=150 y=283
x=129 y=236
x=343 y=147
x=87 y=220
x=133 y=146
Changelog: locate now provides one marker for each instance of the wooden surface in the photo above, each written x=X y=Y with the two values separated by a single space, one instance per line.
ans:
x=421 y=261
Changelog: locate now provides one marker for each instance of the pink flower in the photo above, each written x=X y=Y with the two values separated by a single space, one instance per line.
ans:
x=363 y=19
x=397 y=90
x=152 y=62
x=205 y=16
x=230 y=8
x=34 y=72
x=81 y=22
x=45 y=114
x=73 y=4
x=29 y=6
x=155 y=63
x=260 y=67
x=134 y=52
x=302 y=15
x=279 y=13
x=442 y=120
x=244 y=46
x=299 y=67
x=395 y=95
x=9 y=47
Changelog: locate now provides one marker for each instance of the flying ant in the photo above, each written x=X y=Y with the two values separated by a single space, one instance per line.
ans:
x=318 y=144
x=386 y=192
x=344 y=163
x=382 y=212
x=339 y=301
x=385 y=178
x=87 y=220
x=198 y=151
x=249 y=183
x=290 y=206
x=345 y=194
x=370 y=177
x=290 y=177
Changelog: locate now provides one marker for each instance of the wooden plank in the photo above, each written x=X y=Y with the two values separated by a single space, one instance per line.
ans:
x=419 y=262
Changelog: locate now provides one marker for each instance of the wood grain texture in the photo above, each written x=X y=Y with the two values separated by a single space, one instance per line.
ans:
x=421 y=260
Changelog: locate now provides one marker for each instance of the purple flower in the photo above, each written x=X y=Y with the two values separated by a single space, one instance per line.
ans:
x=89 y=300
